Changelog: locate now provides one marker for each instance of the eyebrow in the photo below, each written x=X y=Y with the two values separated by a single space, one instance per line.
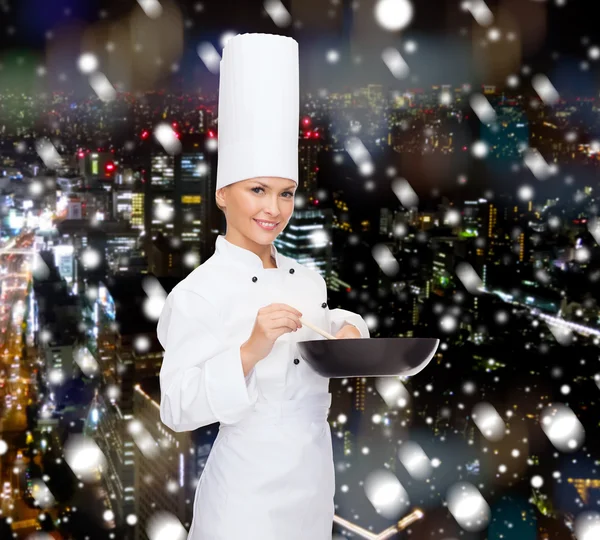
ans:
x=291 y=186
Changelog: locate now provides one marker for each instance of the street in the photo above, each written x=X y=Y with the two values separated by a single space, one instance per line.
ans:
x=16 y=385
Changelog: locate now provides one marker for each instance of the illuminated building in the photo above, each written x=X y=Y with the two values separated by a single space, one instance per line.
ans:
x=491 y=221
x=137 y=210
x=165 y=469
x=162 y=170
x=443 y=265
x=121 y=245
x=425 y=221
x=165 y=258
x=475 y=228
x=96 y=165
x=63 y=259
x=58 y=355
x=491 y=231
x=195 y=181
x=56 y=312
x=128 y=205
x=359 y=394
x=106 y=423
x=206 y=119
x=308 y=153
x=583 y=485
x=161 y=215
x=386 y=222
x=107 y=335
x=179 y=200
x=415 y=312
x=521 y=241
x=348 y=443
x=474 y=219
x=307 y=238
x=74 y=209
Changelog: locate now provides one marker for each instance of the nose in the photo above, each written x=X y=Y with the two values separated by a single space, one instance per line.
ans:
x=272 y=208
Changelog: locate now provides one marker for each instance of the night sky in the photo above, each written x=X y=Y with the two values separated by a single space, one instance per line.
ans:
x=447 y=39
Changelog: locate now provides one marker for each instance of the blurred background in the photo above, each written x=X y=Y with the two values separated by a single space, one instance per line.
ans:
x=448 y=187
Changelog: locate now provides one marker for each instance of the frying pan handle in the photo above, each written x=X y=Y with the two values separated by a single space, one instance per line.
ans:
x=317 y=329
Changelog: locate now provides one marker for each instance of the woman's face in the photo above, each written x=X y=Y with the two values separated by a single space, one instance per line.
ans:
x=258 y=199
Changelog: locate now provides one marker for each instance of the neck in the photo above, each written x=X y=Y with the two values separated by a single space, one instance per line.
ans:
x=261 y=251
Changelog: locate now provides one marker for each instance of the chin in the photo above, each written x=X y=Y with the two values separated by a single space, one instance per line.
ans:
x=263 y=241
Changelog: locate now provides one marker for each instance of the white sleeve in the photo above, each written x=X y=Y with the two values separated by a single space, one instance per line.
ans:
x=339 y=317
x=201 y=378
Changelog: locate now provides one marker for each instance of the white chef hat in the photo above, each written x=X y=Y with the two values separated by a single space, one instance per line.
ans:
x=259 y=108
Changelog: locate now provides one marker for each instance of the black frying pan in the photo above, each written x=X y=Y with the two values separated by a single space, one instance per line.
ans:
x=381 y=357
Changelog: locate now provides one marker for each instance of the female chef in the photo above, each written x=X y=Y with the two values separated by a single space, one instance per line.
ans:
x=230 y=329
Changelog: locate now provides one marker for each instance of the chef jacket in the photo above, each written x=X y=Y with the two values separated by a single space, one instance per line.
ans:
x=211 y=313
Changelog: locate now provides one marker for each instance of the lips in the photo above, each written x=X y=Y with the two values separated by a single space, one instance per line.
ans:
x=265 y=226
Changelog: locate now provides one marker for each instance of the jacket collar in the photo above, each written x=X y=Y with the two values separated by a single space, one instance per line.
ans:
x=240 y=255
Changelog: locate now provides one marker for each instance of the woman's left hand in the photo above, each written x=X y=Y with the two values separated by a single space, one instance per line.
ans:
x=348 y=332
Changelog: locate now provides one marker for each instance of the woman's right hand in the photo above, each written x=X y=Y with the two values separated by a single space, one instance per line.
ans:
x=271 y=322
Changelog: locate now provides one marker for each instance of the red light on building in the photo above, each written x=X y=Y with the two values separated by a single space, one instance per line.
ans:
x=145 y=134
x=81 y=154
x=306 y=121
x=211 y=133
x=109 y=169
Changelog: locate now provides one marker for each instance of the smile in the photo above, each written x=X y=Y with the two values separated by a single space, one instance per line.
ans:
x=265 y=225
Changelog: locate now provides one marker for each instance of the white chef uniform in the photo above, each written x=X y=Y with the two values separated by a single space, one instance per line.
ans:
x=270 y=472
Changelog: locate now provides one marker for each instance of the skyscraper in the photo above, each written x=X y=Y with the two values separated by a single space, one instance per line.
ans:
x=307 y=238
x=178 y=200
x=164 y=466
x=308 y=150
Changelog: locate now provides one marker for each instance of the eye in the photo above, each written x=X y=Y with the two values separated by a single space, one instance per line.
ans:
x=291 y=193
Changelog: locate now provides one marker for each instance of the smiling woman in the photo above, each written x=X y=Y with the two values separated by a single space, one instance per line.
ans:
x=230 y=329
